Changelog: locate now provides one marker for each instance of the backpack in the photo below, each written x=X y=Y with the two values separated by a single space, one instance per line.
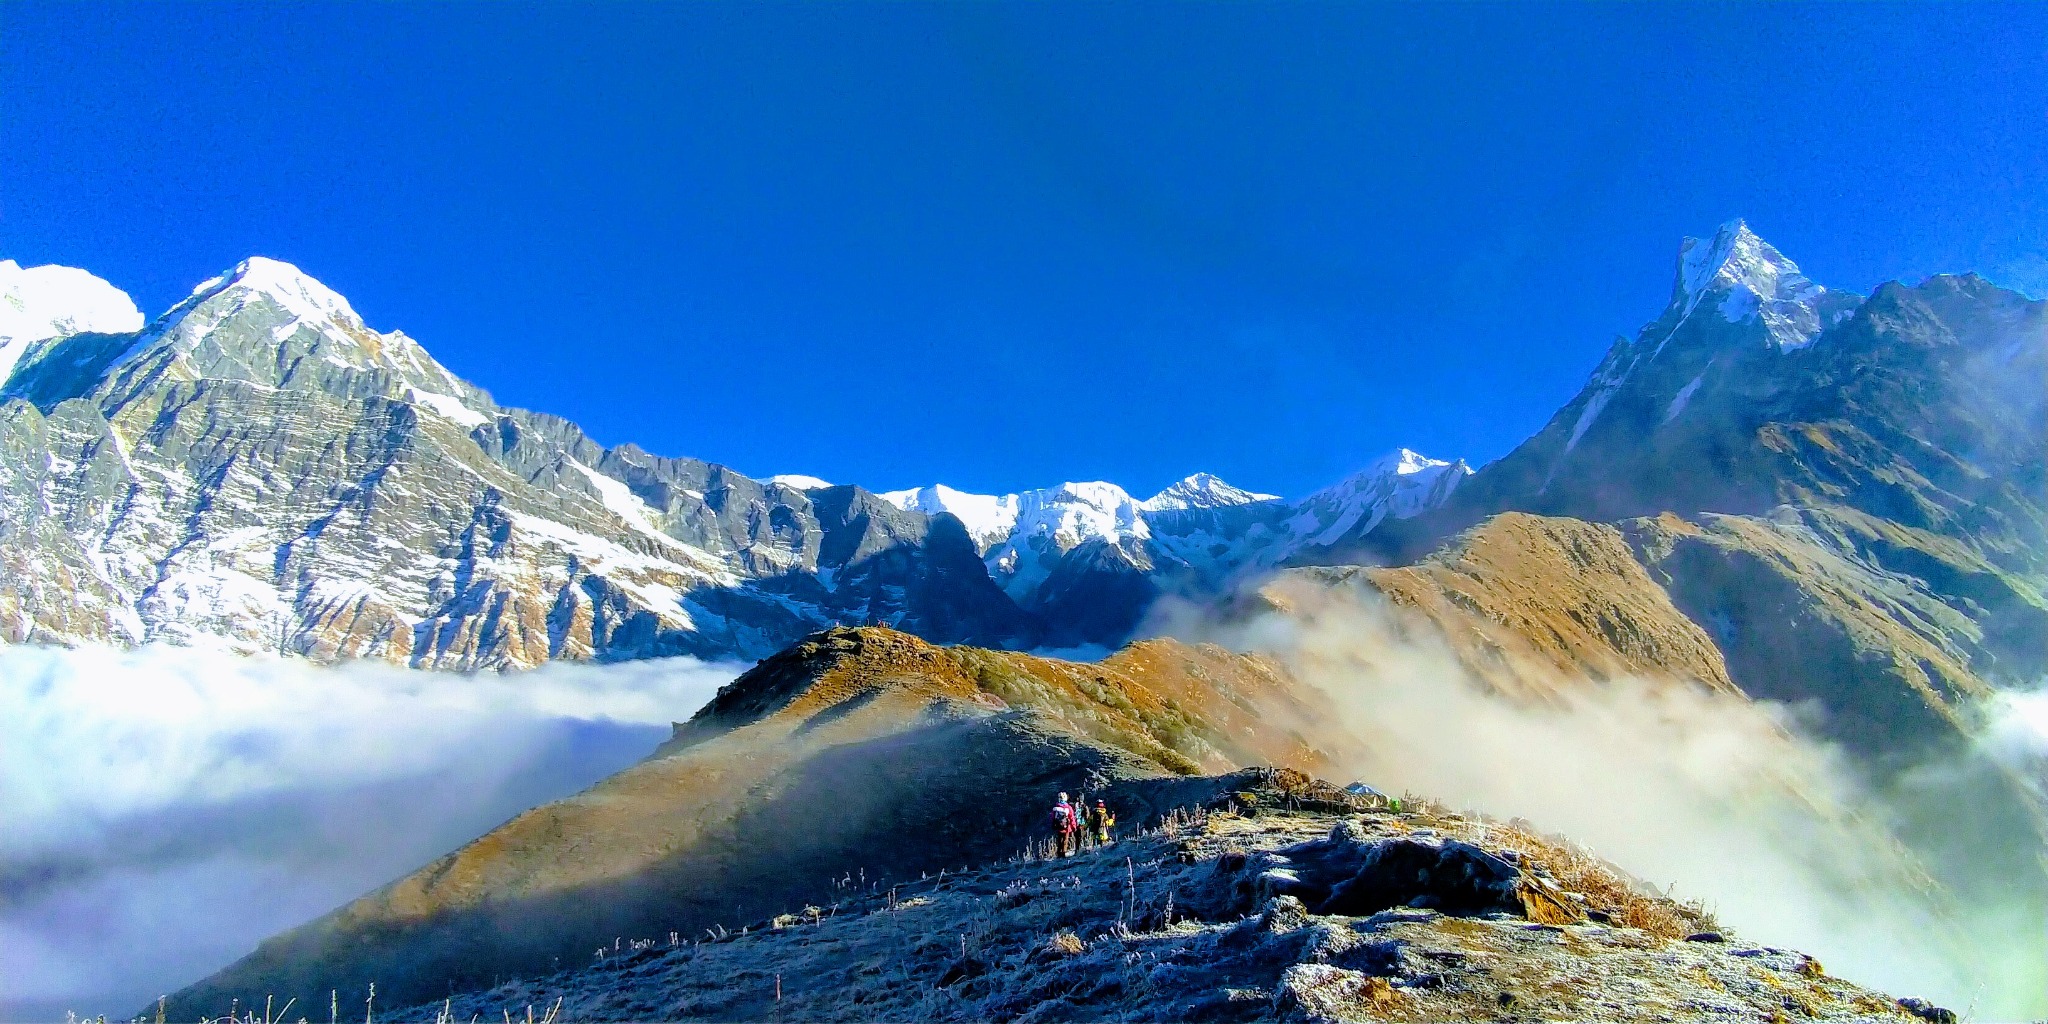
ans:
x=1064 y=818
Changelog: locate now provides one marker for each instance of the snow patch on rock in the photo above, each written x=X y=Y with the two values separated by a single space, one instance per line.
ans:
x=447 y=407
x=1202 y=490
x=1401 y=484
x=40 y=303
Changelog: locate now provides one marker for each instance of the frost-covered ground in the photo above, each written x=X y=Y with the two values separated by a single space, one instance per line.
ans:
x=1223 y=918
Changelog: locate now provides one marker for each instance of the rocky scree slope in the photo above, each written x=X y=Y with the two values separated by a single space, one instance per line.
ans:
x=855 y=753
x=1277 y=898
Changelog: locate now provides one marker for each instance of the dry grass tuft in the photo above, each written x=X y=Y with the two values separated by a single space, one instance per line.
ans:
x=1064 y=943
x=1380 y=995
x=1543 y=908
x=1606 y=889
x=1428 y=807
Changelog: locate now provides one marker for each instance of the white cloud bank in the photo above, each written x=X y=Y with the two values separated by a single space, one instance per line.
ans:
x=166 y=808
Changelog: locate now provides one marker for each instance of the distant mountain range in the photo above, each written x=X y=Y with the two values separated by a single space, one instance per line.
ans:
x=259 y=468
x=1861 y=479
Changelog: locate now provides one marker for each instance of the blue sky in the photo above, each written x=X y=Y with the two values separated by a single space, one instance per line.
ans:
x=1002 y=246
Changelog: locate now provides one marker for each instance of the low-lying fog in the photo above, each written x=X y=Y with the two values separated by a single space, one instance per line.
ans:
x=166 y=808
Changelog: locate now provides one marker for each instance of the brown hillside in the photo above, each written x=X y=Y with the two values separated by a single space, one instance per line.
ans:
x=1530 y=603
x=1801 y=618
x=853 y=756
x=1183 y=707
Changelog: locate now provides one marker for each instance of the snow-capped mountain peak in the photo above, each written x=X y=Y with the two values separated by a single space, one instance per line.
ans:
x=1748 y=279
x=288 y=286
x=1202 y=490
x=40 y=303
x=265 y=317
x=1025 y=536
x=1400 y=462
x=1099 y=495
x=989 y=518
x=1402 y=483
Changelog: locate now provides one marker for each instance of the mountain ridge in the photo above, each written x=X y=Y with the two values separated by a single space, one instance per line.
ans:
x=257 y=467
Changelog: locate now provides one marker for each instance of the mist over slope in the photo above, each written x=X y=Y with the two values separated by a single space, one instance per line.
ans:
x=1732 y=802
x=168 y=807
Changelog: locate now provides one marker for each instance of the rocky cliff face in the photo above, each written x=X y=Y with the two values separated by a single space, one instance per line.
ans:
x=260 y=468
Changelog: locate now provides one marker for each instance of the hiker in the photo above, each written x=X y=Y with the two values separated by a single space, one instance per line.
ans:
x=1066 y=826
x=1100 y=821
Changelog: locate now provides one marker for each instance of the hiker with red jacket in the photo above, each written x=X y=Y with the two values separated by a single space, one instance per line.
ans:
x=1066 y=826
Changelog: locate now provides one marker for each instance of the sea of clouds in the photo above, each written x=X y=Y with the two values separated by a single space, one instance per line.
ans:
x=166 y=808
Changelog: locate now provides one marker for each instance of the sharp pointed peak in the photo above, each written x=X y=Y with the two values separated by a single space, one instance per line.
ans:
x=1732 y=254
x=1736 y=228
x=1391 y=467
x=1402 y=461
x=1752 y=280
x=287 y=303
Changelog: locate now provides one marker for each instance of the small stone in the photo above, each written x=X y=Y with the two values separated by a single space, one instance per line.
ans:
x=1706 y=937
x=1925 y=1010
x=1283 y=913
